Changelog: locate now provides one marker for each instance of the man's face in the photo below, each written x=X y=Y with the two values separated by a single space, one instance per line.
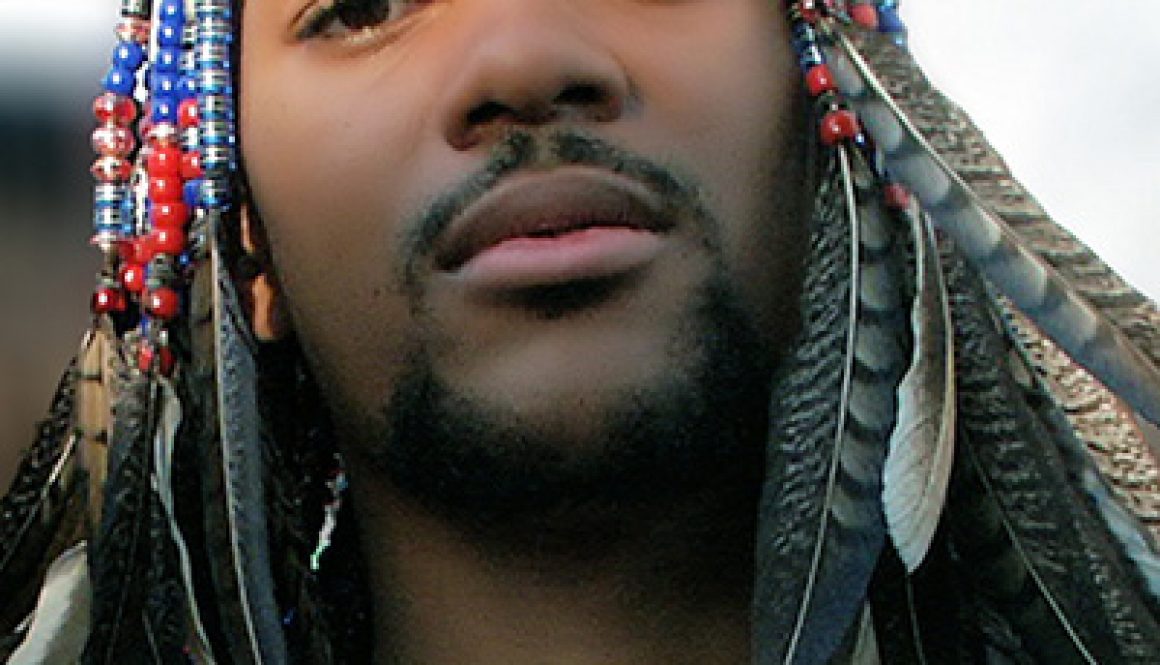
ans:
x=543 y=208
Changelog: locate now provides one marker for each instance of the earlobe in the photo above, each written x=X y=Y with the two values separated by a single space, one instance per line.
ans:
x=260 y=290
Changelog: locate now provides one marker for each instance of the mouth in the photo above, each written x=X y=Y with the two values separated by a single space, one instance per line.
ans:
x=552 y=227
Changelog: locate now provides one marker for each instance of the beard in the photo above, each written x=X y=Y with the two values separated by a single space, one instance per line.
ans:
x=696 y=431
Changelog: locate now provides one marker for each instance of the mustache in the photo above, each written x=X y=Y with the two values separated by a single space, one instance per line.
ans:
x=529 y=150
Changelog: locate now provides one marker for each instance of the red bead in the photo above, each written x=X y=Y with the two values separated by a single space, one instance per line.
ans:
x=169 y=214
x=107 y=300
x=191 y=166
x=162 y=303
x=188 y=114
x=133 y=277
x=132 y=29
x=165 y=190
x=149 y=359
x=167 y=241
x=838 y=125
x=138 y=251
x=865 y=15
x=896 y=196
x=164 y=162
x=113 y=141
x=809 y=11
x=111 y=108
x=819 y=80
x=111 y=169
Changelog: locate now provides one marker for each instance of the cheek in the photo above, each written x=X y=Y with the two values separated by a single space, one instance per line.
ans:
x=740 y=112
x=329 y=193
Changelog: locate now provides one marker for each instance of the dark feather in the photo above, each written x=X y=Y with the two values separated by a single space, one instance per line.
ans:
x=821 y=525
x=1032 y=551
x=120 y=549
x=42 y=513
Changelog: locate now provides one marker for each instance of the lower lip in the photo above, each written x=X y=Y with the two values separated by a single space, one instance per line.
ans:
x=591 y=253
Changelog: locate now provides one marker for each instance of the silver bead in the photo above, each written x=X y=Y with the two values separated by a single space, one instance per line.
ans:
x=138 y=8
x=108 y=195
x=215 y=107
x=214 y=55
x=214 y=81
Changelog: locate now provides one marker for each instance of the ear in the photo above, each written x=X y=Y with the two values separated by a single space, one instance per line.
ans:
x=260 y=291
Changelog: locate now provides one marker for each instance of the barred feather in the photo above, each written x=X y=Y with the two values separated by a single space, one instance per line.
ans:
x=821 y=524
x=1042 y=561
x=241 y=467
x=1112 y=353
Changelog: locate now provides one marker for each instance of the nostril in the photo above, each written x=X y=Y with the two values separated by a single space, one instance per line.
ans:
x=582 y=95
x=486 y=113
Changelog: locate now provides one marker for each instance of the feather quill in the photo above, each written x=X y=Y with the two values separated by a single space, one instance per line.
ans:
x=918 y=465
x=1033 y=284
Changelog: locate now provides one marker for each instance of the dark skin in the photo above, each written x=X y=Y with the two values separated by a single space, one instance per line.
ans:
x=353 y=128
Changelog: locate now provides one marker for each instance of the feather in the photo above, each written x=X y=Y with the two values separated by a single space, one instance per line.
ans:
x=1099 y=442
x=163 y=442
x=120 y=549
x=1033 y=284
x=58 y=627
x=821 y=524
x=865 y=650
x=241 y=464
x=918 y=465
x=1029 y=547
x=43 y=509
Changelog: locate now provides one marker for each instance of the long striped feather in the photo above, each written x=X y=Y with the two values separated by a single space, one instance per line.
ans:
x=1033 y=284
x=822 y=525
x=918 y=465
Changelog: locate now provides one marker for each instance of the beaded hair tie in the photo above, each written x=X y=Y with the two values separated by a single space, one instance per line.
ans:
x=163 y=178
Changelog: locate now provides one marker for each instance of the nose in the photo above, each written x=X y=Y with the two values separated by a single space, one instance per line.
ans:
x=529 y=62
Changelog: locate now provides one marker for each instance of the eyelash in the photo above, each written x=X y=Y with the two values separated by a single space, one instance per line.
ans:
x=349 y=16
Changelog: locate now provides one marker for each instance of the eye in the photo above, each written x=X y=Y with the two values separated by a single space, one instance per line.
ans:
x=342 y=18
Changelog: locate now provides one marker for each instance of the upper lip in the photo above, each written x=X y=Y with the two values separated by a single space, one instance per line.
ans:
x=549 y=203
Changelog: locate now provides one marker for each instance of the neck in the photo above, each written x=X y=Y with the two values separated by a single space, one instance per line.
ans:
x=668 y=584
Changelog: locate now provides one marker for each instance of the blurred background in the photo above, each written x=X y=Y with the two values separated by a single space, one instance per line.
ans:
x=1067 y=90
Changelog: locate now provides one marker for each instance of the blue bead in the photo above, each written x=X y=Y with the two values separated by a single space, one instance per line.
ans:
x=169 y=34
x=191 y=193
x=187 y=87
x=128 y=55
x=168 y=59
x=164 y=109
x=120 y=81
x=163 y=84
x=172 y=12
x=889 y=21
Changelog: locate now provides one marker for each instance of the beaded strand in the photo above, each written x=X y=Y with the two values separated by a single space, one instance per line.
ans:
x=163 y=180
x=115 y=143
x=839 y=123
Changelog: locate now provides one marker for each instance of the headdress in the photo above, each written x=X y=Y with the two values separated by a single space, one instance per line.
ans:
x=970 y=436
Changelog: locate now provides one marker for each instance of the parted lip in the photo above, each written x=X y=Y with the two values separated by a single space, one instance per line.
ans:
x=549 y=203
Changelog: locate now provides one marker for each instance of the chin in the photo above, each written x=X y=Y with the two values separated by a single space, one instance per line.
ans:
x=559 y=433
